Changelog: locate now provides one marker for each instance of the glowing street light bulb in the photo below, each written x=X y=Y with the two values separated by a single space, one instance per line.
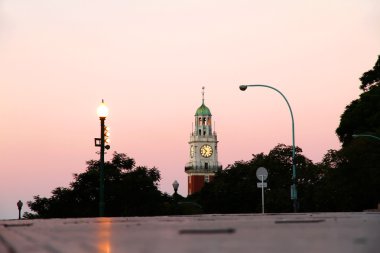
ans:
x=102 y=110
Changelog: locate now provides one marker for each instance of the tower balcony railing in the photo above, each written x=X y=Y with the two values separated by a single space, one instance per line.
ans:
x=202 y=169
x=196 y=134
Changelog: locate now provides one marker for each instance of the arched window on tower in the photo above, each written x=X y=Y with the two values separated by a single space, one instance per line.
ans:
x=200 y=121
x=199 y=132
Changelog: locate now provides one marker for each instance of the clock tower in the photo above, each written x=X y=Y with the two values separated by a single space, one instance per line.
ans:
x=203 y=150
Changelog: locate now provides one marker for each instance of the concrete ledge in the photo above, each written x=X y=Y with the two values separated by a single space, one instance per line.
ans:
x=306 y=232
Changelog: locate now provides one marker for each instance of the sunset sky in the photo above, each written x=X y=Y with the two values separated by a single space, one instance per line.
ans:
x=148 y=59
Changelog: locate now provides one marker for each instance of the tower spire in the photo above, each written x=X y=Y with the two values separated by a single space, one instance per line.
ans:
x=203 y=94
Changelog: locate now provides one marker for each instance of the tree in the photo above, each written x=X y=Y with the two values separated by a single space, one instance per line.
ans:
x=354 y=175
x=371 y=78
x=234 y=190
x=361 y=173
x=351 y=177
x=361 y=116
x=129 y=190
x=330 y=190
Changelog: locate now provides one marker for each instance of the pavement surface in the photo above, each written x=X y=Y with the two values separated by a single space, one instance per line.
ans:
x=307 y=232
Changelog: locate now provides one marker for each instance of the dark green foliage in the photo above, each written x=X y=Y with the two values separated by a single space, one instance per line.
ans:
x=345 y=180
x=371 y=78
x=362 y=116
x=234 y=190
x=129 y=191
x=354 y=180
x=351 y=180
x=231 y=191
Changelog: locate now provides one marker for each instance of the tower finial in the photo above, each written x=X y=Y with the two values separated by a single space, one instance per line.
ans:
x=203 y=94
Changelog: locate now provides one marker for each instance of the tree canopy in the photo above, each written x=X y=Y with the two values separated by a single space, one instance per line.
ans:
x=345 y=180
x=129 y=190
x=357 y=172
x=371 y=78
x=234 y=190
x=362 y=116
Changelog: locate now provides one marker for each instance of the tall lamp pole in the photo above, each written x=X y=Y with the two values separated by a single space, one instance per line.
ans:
x=102 y=112
x=293 y=189
x=19 y=206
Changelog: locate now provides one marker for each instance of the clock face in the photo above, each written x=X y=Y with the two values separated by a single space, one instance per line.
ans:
x=206 y=151
x=192 y=151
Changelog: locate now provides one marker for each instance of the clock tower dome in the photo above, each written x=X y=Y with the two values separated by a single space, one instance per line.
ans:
x=203 y=150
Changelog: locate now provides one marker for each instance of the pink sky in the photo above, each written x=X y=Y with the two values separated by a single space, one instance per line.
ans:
x=149 y=59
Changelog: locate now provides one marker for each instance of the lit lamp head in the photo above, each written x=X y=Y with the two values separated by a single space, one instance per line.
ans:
x=102 y=110
x=243 y=87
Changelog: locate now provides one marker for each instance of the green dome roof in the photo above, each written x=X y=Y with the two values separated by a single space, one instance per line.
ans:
x=203 y=111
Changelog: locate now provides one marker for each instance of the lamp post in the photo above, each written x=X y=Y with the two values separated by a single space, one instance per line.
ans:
x=175 y=196
x=19 y=206
x=293 y=189
x=366 y=135
x=102 y=112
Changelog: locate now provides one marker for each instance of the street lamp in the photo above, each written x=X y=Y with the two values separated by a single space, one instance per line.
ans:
x=102 y=112
x=19 y=206
x=175 y=186
x=366 y=135
x=293 y=188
